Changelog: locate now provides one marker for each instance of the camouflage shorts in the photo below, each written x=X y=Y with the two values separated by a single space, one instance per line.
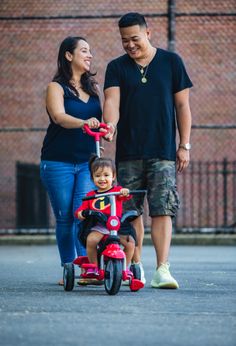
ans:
x=158 y=177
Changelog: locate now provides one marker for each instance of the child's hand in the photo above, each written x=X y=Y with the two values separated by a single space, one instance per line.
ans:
x=124 y=192
x=80 y=215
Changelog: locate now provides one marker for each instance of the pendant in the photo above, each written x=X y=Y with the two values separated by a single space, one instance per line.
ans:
x=142 y=70
x=144 y=80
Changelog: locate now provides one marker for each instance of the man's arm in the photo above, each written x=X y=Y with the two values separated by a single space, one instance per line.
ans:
x=111 y=110
x=184 y=122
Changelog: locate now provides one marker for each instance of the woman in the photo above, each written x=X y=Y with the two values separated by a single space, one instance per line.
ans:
x=72 y=100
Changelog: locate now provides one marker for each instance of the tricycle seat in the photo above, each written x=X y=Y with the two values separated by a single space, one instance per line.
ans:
x=129 y=216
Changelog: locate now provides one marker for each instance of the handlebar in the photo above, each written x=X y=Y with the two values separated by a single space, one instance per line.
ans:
x=96 y=135
x=131 y=192
x=96 y=214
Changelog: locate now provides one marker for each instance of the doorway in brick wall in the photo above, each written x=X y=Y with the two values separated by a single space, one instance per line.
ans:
x=31 y=198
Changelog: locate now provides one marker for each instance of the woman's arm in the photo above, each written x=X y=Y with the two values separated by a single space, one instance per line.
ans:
x=56 y=109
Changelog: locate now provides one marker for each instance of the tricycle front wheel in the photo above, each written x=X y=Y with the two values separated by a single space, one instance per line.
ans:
x=113 y=276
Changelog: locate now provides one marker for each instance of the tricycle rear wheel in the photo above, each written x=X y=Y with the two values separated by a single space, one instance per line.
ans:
x=68 y=276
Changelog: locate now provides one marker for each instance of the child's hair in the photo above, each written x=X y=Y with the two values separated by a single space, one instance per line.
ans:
x=96 y=162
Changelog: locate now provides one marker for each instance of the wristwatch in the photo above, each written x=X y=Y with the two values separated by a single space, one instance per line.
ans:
x=186 y=146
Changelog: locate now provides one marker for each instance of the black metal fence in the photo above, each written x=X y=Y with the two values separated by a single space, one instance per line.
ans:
x=207 y=192
x=208 y=196
x=32 y=202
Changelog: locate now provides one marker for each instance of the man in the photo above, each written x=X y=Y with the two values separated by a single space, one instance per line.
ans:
x=146 y=93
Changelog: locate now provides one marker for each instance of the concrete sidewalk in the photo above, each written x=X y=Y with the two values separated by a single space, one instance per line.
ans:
x=177 y=239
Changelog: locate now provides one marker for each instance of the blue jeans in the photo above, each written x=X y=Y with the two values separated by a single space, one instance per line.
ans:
x=66 y=184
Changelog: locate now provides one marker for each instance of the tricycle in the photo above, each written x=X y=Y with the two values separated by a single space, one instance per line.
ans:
x=112 y=267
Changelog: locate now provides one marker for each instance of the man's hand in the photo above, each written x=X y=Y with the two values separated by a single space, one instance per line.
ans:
x=182 y=159
x=111 y=132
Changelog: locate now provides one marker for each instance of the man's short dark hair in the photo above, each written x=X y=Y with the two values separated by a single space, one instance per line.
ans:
x=132 y=18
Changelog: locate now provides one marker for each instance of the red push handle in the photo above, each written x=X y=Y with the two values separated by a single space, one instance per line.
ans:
x=96 y=135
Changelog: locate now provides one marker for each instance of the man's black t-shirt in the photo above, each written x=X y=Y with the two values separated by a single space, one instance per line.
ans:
x=147 y=127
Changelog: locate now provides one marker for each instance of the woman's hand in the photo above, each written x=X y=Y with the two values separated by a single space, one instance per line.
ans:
x=93 y=123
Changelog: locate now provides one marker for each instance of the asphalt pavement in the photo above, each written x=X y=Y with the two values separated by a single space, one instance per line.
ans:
x=34 y=310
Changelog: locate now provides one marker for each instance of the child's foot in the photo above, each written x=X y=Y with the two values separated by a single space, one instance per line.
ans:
x=61 y=282
x=89 y=281
x=92 y=272
x=127 y=282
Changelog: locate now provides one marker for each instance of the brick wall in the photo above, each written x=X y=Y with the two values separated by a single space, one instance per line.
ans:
x=28 y=61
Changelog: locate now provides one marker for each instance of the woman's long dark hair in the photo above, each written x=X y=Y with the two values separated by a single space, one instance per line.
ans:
x=64 y=71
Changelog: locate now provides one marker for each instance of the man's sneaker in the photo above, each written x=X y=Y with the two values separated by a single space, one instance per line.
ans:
x=163 y=279
x=143 y=280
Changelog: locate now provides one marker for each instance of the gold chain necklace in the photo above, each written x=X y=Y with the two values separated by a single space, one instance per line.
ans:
x=143 y=72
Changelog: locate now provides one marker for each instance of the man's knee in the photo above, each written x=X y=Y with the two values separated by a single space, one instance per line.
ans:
x=128 y=242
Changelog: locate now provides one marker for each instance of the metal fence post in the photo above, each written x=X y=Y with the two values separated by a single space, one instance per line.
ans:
x=171 y=25
x=225 y=200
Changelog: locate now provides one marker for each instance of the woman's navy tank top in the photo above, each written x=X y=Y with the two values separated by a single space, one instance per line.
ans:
x=71 y=145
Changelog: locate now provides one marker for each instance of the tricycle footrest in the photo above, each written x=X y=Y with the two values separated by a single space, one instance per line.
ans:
x=89 y=265
x=81 y=260
x=136 y=285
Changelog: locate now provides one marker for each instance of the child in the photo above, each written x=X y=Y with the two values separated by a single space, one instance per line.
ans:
x=103 y=173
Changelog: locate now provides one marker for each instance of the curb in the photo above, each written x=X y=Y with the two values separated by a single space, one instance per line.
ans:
x=177 y=239
x=199 y=239
x=27 y=239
